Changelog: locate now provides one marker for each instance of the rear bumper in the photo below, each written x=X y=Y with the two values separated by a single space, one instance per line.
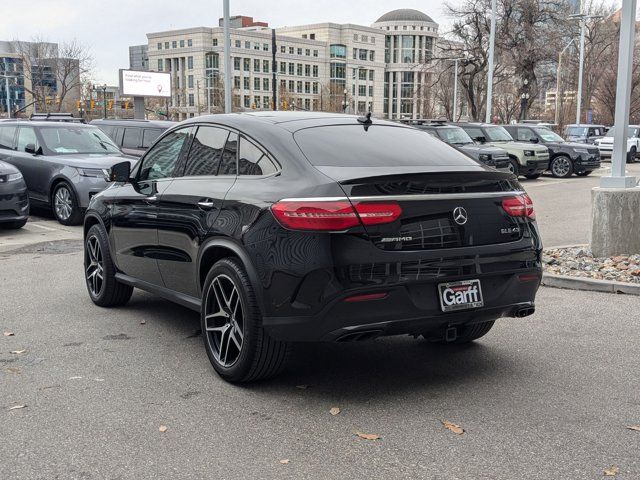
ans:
x=408 y=309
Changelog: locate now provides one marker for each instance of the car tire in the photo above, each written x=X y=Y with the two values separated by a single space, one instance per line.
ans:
x=238 y=347
x=585 y=173
x=514 y=167
x=100 y=272
x=533 y=176
x=14 y=225
x=65 y=205
x=466 y=334
x=561 y=167
x=631 y=156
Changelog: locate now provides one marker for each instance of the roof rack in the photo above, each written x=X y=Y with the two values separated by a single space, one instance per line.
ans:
x=55 y=117
x=424 y=121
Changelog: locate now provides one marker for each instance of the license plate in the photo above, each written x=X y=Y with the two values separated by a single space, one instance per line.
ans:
x=461 y=295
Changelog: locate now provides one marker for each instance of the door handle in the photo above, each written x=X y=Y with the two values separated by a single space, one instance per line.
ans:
x=206 y=204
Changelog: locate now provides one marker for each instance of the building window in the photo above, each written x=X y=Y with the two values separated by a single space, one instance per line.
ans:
x=371 y=90
x=256 y=102
x=292 y=67
x=283 y=84
x=190 y=63
x=265 y=66
x=238 y=43
x=265 y=47
x=315 y=53
x=312 y=36
x=246 y=83
x=265 y=84
x=159 y=45
x=338 y=51
x=408 y=48
x=291 y=50
x=190 y=81
x=246 y=64
x=307 y=52
x=372 y=55
x=292 y=85
x=266 y=102
x=256 y=65
x=355 y=53
x=364 y=38
x=307 y=70
x=236 y=82
x=256 y=84
x=174 y=44
x=283 y=49
x=256 y=46
x=283 y=68
x=362 y=74
x=166 y=45
x=299 y=51
x=215 y=42
x=189 y=42
x=299 y=87
x=355 y=37
x=236 y=63
x=315 y=71
x=307 y=104
x=307 y=87
x=247 y=44
x=191 y=100
x=362 y=54
x=181 y=43
x=315 y=87
x=371 y=74
x=160 y=65
x=247 y=101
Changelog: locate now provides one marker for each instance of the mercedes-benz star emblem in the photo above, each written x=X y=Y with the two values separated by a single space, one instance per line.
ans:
x=460 y=215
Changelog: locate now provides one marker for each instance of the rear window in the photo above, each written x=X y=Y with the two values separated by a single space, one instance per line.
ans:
x=377 y=146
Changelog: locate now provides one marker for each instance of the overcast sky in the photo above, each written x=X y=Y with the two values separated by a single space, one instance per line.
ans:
x=108 y=27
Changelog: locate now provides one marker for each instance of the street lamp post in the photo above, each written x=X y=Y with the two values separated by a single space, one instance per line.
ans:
x=7 y=94
x=345 y=104
x=104 y=101
x=227 y=58
x=524 y=99
x=583 y=18
x=492 y=44
x=557 y=116
x=455 y=87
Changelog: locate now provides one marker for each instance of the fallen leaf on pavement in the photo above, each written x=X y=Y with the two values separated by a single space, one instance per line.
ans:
x=302 y=387
x=284 y=461
x=334 y=411
x=143 y=322
x=8 y=334
x=457 y=429
x=634 y=427
x=163 y=428
x=16 y=407
x=75 y=378
x=611 y=472
x=13 y=370
x=18 y=352
x=367 y=436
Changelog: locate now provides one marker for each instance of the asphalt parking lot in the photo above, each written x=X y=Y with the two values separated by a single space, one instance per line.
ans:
x=548 y=396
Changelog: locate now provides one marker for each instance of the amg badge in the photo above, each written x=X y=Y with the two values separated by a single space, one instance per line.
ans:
x=395 y=239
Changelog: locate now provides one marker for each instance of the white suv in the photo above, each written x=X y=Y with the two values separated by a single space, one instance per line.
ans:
x=605 y=144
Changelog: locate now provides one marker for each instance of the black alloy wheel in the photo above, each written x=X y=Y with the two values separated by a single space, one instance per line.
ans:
x=238 y=347
x=100 y=271
x=65 y=205
x=631 y=156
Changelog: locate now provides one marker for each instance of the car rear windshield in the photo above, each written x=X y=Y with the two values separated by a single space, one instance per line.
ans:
x=375 y=146
x=577 y=131
x=631 y=132
x=454 y=135
x=61 y=140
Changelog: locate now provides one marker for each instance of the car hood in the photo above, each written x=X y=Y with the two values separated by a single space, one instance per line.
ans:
x=6 y=169
x=81 y=160
x=519 y=146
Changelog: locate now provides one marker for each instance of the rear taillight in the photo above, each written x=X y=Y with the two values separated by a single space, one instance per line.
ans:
x=520 y=206
x=333 y=215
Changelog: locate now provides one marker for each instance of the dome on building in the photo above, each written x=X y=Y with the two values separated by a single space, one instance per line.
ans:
x=404 y=15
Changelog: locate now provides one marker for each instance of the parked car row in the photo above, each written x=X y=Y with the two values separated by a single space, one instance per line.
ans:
x=522 y=149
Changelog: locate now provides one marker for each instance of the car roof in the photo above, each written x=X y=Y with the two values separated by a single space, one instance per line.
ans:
x=476 y=124
x=584 y=125
x=287 y=120
x=133 y=122
x=44 y=123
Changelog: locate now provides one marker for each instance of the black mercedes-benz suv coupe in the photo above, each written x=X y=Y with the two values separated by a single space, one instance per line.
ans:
x=283 y=227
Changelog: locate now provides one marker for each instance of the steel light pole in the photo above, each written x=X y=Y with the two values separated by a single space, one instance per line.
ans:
x=557 y=116
x=345 y=104
x=492 y=44
x=583 y=21
x=227 y=58
x=455 y=86
x=7 y=95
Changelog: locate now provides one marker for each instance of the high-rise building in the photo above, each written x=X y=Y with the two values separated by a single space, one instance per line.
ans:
x=383 y=68
x=139 y=57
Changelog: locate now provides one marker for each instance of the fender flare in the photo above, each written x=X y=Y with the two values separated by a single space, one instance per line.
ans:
x=242 y=254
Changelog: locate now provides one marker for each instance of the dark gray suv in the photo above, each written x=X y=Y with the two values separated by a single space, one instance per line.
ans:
x=134 y=137
x=63 y=164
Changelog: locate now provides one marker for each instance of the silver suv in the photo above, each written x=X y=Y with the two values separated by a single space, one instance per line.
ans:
x=63 y=164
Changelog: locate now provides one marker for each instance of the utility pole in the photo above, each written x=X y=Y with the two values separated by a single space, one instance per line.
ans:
x=492 y=45
x=558 y=73
x=198 y=95
x=455 y=89
x=227 y=59
x=274 y=68
x=6 y=83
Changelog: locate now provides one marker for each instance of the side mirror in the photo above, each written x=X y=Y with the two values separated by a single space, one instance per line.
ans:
x=30 y=148
x=534 y=140
x=120 y=172
x=480 y=139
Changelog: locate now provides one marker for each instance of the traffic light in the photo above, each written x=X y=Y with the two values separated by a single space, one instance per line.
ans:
x=253 y=106
x=78 y=104
x=126 y=106
x=285 y=105
x=93 y=104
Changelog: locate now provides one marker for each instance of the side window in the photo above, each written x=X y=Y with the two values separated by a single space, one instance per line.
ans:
x=7 y=133
x=131 y=138
x=524 y=134
x=206 y=150
x=474 y=132
x=228 y=163
x=161 y=160
x=253 y=161
x=26 y=135
x=150 y=135
x=108 y=129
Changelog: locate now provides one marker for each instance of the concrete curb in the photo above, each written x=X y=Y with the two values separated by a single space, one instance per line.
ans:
x=589 y=284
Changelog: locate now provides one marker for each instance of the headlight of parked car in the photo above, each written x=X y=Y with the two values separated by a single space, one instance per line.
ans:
x=581 y=150
x=529 y=153
x=485 y=157
x=92 y=172
x=14 y=177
